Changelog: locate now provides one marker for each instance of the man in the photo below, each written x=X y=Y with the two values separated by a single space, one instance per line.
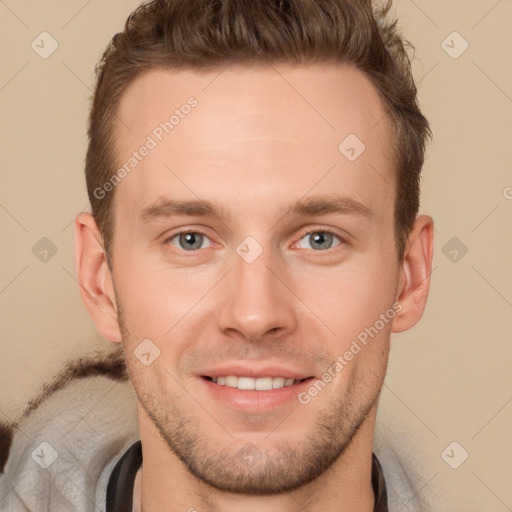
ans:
x=253 y=171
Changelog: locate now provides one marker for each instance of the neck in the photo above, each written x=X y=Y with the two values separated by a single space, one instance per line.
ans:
x=163 y=482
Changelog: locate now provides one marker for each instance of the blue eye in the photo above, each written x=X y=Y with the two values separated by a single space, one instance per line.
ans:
x=321 y=240
x=318 y=240
x=188 y=240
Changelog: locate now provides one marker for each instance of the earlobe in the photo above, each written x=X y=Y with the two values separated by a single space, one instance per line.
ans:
x=414 y=281
x=96 y=287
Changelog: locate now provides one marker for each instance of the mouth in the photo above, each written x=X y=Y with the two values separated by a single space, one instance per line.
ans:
x=254 y=389
x=246 y=383
x=255 y=394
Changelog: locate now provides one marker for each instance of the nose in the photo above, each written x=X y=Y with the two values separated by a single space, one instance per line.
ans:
x=257 y=300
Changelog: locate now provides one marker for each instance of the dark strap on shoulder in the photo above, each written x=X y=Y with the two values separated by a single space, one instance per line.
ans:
x=379 y=486
x=121 y=481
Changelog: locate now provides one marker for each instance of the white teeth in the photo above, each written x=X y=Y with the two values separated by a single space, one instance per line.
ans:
x=263 y=384
x=230 y=381
x=248 y=383
x=277 y=382
x=243 y=383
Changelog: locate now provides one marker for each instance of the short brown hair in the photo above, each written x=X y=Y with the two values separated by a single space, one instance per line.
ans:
x=208 y=34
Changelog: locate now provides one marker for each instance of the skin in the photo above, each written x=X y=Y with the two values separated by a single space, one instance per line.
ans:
x=259 y=140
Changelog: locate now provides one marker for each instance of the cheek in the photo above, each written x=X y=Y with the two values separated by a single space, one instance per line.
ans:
x=155 y=298
x=141 y=298
x=347 y=298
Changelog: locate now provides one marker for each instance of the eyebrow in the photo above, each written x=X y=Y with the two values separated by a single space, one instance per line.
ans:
x=312 y=207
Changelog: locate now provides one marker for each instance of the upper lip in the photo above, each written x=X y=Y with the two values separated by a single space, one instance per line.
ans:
x=243 y=370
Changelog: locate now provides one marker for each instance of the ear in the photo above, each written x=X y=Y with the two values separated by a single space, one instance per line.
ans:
x=414 y=280
x=96 y=287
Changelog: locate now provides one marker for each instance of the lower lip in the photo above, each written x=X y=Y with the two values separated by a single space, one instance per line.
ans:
x=255 y=401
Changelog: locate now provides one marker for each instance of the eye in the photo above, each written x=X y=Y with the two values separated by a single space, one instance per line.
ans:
x=188 y=240
x=320 y=240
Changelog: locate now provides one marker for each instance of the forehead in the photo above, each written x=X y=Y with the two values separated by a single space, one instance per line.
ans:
x=272 y=130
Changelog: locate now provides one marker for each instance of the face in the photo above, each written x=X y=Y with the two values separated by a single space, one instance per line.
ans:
x=250 y=251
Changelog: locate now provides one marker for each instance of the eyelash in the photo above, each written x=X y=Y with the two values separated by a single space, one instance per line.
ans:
x=315 y=230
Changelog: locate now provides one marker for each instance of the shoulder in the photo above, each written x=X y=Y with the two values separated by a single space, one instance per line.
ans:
x=62 y=449
x=409 y=453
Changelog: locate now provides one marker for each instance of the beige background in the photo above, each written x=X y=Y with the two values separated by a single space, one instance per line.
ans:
x=449 y=377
